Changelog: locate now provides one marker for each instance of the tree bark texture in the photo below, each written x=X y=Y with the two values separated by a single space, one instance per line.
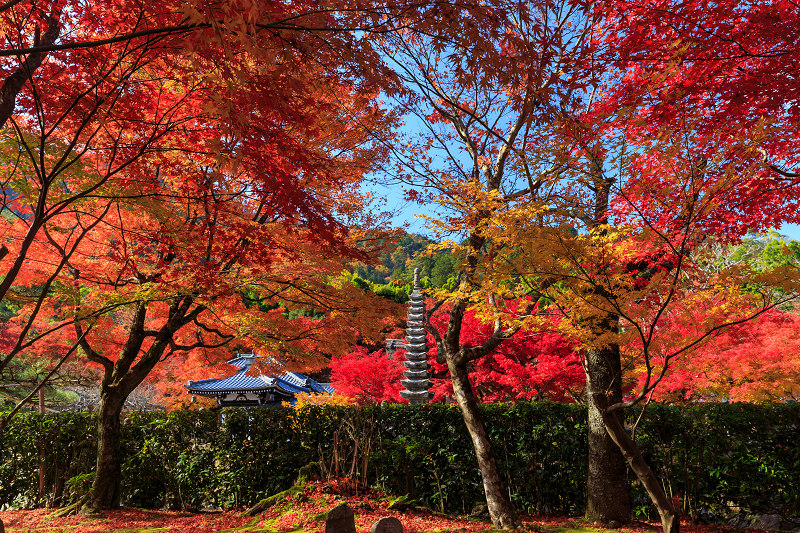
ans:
x=108 y=474
x=42 y=470
x=670 y=519
x=501 y=511
x=607 y=493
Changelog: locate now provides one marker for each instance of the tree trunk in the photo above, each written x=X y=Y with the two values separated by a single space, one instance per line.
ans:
x=42 y=471
x=607 y=494
x=670 y=519
x=500 y=509
x=121 y=378
x=106 y=485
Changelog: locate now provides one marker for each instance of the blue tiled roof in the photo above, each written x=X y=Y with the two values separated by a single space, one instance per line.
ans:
x=306 y=383
x=290 y=383
x=239 y=383
x=243 y=360
x=300 y=383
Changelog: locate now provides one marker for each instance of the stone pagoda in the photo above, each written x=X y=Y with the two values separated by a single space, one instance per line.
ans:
x=416 y=383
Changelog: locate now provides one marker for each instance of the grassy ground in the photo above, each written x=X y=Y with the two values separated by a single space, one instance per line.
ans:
x=301 y=513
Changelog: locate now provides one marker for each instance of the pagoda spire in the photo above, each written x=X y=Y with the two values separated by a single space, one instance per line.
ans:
x=416 y=383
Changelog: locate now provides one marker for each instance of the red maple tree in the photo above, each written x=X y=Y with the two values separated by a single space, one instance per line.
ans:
x=172 y=192
x=539 y=365
x=116 y=105
x=756 y=361
x=368 y=377
x=529 y=365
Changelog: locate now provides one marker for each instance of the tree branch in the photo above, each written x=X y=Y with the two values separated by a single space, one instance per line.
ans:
x=14 y=82
x=41 y=384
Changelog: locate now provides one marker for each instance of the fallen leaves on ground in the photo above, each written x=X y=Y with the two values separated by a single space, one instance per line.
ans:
x=126 y=519
x=304 y=512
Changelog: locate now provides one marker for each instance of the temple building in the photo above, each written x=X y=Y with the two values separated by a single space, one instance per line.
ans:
x=241 y=390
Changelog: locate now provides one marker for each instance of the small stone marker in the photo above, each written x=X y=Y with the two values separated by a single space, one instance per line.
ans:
x=387 y=524
x=480 y=510
x=340 y=519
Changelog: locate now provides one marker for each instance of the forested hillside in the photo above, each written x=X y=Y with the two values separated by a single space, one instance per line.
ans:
x=398 y=261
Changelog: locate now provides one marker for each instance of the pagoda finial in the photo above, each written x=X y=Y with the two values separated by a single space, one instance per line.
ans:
x=416 y=278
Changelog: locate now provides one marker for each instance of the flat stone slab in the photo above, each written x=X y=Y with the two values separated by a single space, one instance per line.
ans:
x=387 y=524
x=340 y=519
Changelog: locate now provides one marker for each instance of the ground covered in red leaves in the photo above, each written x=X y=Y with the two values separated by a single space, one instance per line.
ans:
x=304 y=512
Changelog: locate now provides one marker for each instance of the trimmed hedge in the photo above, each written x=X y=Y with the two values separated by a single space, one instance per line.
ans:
x=721 y=457
x=726 y=458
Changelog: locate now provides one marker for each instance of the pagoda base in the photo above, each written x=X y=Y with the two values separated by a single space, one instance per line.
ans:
x=416 y=397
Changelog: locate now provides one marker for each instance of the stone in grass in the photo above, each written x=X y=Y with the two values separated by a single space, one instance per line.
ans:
x=767 y=522
x=387 y=524
x=340 y=519
x=480 y=510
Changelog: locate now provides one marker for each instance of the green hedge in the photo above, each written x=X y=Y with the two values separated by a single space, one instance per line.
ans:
x=715 y=456
x=726 y=457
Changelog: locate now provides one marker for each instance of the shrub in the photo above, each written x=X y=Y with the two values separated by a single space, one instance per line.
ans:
x=713 y=456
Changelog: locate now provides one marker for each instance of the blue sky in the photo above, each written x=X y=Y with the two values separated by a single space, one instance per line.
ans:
x=405 y=212
x=790 y=230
